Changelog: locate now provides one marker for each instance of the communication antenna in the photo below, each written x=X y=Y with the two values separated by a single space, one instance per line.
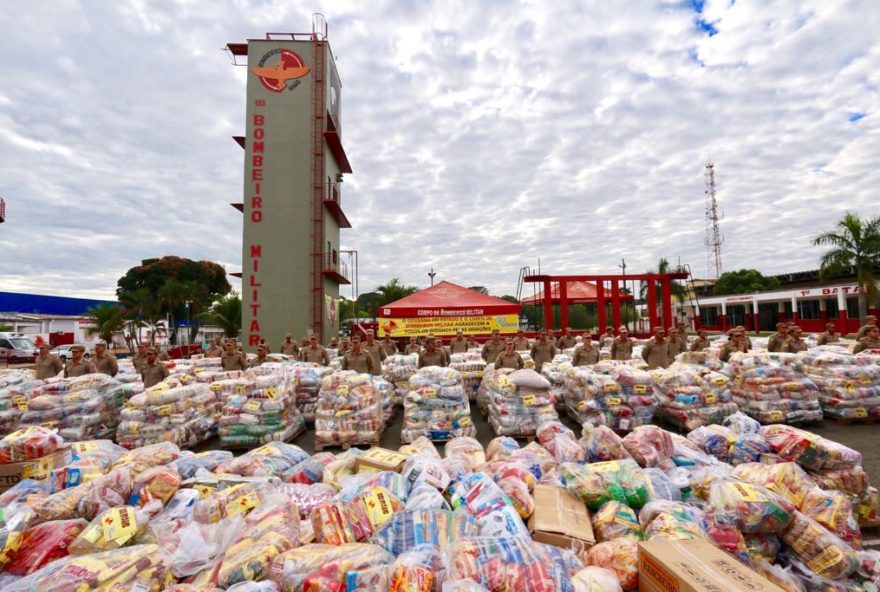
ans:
x=714 y=238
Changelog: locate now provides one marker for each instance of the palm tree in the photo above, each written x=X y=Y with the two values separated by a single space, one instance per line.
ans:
x=226 y=314
x=107 y=319
x=678 y=292
x=394 y=290
x=855 y=246
x=139 y=309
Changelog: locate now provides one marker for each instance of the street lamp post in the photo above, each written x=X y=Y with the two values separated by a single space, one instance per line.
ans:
x=431 y=275
x=622 y=266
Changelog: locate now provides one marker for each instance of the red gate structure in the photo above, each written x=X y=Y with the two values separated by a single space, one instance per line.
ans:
x=652 y=279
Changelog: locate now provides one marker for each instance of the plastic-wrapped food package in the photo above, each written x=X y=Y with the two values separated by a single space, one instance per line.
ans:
x=398 y=369
x=270 y=529
x=812 y=452
x=307 y=384
x=16 y=387
x=620 y=556
x=779 y=576
x=598 y=483
x=309 y=497
x=342 y=466
x=324 y=567
x=561 y=442
x=425 y=469
x=519 y=496
x=356 y=520
x=311 y=470
x=410 y=528
x=15 y=518
x=349 y=410
x=112 y=529
x=273 y=459
x=501 y=447
x=80 y=408
x=356 y=485
x=595 y=579
x=772 y=387
x=615 y=520
x=189 y=463
x=739 y=423
x=512 y=468
x=833 y=510
x=238 y=499
x=663 y=487
x=514 y=564
x=785 y=479
x=169 y=412
x=750 y=448
x=158 y=483
x=91 y=459
x=88 y=499
x=556 y=371
x=602 y=444
x=486 y=502
x=425 y=497
x=672 y=521
x=761 y=545
x=752 y=507
x=139 y=567
x=436 y=406
x=822 y=552
x=29 y=444
x=849 y=385
x=725 y=535
x=650 y=446
x=853 y=480
x=519 y=402
x=470 y=365
x=42 y=544
x=866 y=506
x=145 y=457
x=262 y=408
x=622 y=399
x=713 y=439
x=385 y=392
x=468 y=447
x=692 y=396
x=495 y=380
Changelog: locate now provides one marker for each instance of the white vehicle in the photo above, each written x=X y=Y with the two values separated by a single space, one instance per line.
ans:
x=16 y=348
x=63 y=352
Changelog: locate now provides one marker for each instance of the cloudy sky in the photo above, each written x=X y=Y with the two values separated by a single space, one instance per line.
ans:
x=483 y=135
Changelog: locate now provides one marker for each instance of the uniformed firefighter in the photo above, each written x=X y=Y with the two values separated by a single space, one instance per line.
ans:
x=314 y=352
x=78 y=365
x=357 y=358
x=622 y=346
x=656 y=351
x=509 y=358
x=47 y=365
x=587 y=353
x=104 y=361
x=542 y=351
x=153 y=371
x=232 y=359
x=493 y=347
x=433 y=355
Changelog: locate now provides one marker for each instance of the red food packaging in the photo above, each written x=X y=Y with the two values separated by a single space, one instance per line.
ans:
x=43 y=544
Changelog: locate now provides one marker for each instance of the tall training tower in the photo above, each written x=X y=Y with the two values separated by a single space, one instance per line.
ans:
x=714 y=239
x=294 y=162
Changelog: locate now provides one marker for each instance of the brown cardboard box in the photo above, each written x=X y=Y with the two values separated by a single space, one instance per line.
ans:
x=695 y=566
x=11 y=474
x=559 y=518
x=376 y=460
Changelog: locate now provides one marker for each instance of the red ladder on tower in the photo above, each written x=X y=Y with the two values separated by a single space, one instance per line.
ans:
x=319 y=41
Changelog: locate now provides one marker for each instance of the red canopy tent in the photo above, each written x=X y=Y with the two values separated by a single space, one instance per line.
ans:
x=444 y=308
x=577 y=292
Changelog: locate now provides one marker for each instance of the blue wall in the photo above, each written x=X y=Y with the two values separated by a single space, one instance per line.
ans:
x=51 y=305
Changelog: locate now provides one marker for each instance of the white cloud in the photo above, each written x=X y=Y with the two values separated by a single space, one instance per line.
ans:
x=483 y=136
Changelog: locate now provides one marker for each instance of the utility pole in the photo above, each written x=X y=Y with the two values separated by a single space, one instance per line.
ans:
x=431 y=275
x=622 y=266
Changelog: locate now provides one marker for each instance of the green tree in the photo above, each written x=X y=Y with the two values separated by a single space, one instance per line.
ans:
x=394 y=290
x=369 y=303
x=196 y=299
x=744 y=281
x=140 y=310
x=480 y=289
x=226 y=314
x=510 y=298
x=678 y=291
x=170 y=299
x=108 y=320
x=855 y=246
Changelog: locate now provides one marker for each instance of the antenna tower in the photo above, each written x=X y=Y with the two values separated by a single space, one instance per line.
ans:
x=714 y=239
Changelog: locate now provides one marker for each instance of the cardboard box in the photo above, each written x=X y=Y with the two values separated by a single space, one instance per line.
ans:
x=376 y=460
x=559 y=518
x=695 y=566
x=11 y=474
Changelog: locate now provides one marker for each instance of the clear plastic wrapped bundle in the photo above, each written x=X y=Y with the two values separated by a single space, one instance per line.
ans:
x=261 y=409
x=349 y=410
x=620 y=396
x=620 y=556
x=692 y=396
x=556 y=371
x=833 y=510
x=16 y=388
x=494 y=380
x=276 y=459
x=773 y=387
x=436 y=406
x=651 y=446
x=751 y=507
x=307 y=385
x=597 y=483
x=81 y=408
x=410 y=528
x=519 y=411
x=184 y=415
x=714 y=440
x=614 y=520
x=822 y=552
x=386 y=393
x=481 y=497
x=514 y=564
x=470 y=365
x=784 y=478
x=849 y=386
x=398 y=369
x=324 y=567
x=809 y=450
x=561 y=442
